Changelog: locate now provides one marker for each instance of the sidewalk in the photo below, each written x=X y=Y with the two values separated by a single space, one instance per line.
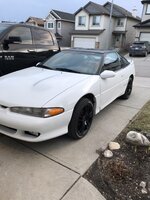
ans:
x=53 y=169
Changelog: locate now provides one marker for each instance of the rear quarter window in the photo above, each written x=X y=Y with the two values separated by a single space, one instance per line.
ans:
x=42 y=37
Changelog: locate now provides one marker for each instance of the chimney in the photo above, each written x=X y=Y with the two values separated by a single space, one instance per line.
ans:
x=134 y=12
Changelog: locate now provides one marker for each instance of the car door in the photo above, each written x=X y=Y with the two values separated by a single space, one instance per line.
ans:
x=45 y=45
x=20 y=53
x=125 y=72
x=111 y=88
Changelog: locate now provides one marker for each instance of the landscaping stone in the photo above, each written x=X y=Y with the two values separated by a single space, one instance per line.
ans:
x=148 y=135
x=143 y=185
x=114 y=146
x=136 y=138
x=108 y=154
x=148 y=186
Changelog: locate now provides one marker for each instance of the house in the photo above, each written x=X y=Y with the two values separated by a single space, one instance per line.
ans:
x=143 y=28
x=35 y=21
x=61 y=24
x=94 y=30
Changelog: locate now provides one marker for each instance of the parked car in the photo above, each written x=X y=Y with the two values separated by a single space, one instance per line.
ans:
x=23 y=45
x=63 y=94
x=139 y=48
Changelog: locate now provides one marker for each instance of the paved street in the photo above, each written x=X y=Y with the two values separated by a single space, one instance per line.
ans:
x=142 y=65
x=53 y=170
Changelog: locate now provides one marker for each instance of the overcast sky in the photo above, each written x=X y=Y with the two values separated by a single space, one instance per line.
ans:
x=20 y=10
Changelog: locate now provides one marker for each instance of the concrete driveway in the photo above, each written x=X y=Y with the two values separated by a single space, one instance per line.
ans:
x=53 y=170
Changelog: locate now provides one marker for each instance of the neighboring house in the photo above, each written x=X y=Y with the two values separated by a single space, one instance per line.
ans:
x=35 y=21
x=93 y=28
x=61 y=24
x=143 y=28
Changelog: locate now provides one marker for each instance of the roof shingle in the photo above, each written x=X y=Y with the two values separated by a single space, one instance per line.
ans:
x=64 y=15
x=145 y=24
x=119 y=11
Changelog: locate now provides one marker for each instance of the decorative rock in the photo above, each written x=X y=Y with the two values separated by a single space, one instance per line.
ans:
x=148 y=135
x=148 y=186
x=144 y=191
x=108 y=154
x=114 y=146
x=136 y=138
x=143 y=185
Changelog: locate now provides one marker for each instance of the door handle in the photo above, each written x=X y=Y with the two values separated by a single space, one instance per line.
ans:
x=31 y=51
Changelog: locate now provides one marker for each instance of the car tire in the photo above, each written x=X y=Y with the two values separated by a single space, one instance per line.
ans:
x=130 y=55
x=81 y=119
x=128 y=90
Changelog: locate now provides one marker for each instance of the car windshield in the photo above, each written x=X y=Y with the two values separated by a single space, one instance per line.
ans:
x=75 y=61
x=3 y=27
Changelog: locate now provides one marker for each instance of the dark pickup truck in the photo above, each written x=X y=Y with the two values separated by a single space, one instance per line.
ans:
x=23 y=45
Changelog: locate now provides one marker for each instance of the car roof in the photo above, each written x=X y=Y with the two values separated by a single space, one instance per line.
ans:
x=9 y=25
x=102 y=51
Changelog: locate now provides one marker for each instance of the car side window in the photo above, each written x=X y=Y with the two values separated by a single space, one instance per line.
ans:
x=23 y=33
x=111 y=62
x=42 y=37
x=123 y=62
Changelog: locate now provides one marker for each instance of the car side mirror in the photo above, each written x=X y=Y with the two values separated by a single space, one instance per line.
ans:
x=107 y=74
x=12 y=40
x=38 y=64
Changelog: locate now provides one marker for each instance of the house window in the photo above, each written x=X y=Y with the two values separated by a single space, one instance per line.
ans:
x=120 y=23
x=50 y=25
x=96 y=21
x=148 y=9
x=82 y=20
x=59 y=25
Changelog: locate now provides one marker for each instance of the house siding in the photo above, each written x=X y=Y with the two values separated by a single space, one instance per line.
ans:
x=139 y=29
x=144 y=15
x=66 y=40
x=131 y=32
x=114 y=36
x=86 y=27
x=65 y=29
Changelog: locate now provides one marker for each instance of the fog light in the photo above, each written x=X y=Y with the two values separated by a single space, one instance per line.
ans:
x=32 y=133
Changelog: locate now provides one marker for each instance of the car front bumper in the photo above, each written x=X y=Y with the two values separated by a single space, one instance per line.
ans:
x=19 y=126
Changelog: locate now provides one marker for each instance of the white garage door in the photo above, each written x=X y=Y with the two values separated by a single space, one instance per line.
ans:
x=84 y=42
x=145 y=37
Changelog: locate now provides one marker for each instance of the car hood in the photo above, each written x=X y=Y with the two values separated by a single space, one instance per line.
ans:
x=36 y=86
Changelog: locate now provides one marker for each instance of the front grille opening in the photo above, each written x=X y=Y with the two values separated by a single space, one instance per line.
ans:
x=35 y=134
x=7 y=129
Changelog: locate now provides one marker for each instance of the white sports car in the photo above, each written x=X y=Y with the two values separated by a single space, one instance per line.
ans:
x=62 y=94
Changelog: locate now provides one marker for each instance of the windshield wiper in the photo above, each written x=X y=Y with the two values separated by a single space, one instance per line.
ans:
x=66 y=70
x=44 y=66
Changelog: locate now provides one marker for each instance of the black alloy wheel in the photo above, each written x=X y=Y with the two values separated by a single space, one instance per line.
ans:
x=81 y=119
x=128 y=91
